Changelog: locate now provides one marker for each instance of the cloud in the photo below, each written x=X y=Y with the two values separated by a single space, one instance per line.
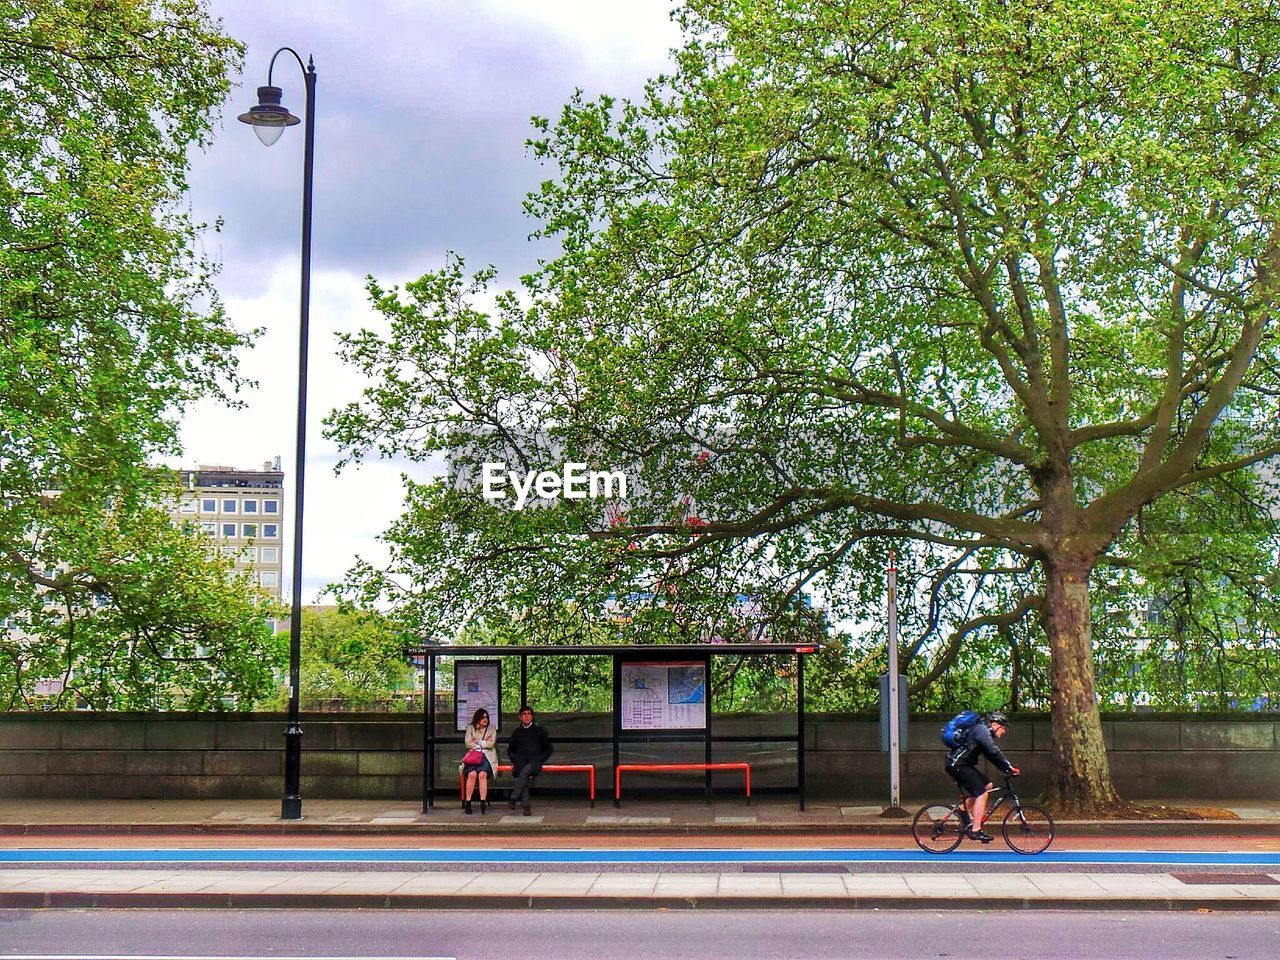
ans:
x=422 y=113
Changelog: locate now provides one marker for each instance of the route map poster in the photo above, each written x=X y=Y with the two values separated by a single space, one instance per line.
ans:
x=664 y=696
x=476 y=684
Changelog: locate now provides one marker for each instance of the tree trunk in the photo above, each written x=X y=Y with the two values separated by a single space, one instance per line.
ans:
x=1015 y=670
x=1080 y=778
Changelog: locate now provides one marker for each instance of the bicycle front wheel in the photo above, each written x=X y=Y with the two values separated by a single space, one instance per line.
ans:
x=1028 y=829
x=937 y=828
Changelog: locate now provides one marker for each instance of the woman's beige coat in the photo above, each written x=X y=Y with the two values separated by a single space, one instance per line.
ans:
x=486 y=741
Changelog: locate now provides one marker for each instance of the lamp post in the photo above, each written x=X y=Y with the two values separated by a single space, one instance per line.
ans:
x=268 y=120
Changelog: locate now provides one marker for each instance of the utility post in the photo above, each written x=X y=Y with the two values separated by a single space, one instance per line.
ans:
x=895 y=728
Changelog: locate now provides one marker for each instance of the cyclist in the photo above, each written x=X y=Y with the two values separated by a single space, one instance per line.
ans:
x=975 y=742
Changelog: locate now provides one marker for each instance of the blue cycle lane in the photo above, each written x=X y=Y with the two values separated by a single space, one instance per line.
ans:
x=550 y=857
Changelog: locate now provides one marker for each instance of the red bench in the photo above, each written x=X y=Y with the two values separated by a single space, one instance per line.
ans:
x=675 y=768
x=588 y=768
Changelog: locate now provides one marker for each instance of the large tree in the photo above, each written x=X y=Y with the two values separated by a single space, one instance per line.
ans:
x=108 y=320
x=987 y=278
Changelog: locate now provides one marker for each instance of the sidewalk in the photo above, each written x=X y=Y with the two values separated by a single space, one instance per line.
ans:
x=1257 y=818
x=408 y=889
x=373 y=880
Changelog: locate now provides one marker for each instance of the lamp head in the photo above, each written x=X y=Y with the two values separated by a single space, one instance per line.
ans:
x=269 y=118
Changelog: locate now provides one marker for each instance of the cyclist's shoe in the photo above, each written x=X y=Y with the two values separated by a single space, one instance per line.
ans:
x=980 y=835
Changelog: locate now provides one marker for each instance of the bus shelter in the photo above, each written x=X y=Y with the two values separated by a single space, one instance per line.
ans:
x=661 y=693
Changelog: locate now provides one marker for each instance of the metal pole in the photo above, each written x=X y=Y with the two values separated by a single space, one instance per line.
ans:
x=617 y=719
x=707 y=729
x=426 y=738
x=800 y=778
x=895 y=787
x=291 y=805
x=431 y=731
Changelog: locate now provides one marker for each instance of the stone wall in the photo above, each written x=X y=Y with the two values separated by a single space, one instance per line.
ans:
x=1152 y=756
x=380 y=755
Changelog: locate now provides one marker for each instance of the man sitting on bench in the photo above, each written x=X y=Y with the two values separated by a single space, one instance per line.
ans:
x=528 y=749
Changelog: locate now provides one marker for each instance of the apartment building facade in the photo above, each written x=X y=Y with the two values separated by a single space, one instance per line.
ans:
x=241 y=512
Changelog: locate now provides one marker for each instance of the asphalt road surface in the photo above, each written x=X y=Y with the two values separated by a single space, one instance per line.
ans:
x=634 y=935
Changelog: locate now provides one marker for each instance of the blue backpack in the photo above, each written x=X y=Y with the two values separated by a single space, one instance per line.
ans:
x=956 y=727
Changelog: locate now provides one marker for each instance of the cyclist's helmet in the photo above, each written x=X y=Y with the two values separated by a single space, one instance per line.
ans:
x=996 y=716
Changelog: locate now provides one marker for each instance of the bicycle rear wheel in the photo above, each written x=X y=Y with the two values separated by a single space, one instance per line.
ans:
x=937 y=828
x=1028 y=829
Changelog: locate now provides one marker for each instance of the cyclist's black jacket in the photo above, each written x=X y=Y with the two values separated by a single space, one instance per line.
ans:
x=977 y=742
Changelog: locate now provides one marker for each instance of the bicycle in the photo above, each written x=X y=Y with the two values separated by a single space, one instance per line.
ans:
x=1027 y=828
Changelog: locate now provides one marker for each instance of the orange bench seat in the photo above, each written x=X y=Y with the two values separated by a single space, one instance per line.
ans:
x=588 y=768
x=675 y=768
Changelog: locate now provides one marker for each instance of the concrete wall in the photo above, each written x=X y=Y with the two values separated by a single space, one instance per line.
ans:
x=380 y=755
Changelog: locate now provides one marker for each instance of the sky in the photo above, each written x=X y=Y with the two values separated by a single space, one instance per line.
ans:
x=422 y=113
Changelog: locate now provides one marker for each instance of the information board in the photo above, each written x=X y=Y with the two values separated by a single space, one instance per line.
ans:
x=666 y=695
x=476 y=684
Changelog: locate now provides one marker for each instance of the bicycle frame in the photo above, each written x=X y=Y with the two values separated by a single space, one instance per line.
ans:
x=1001 y=795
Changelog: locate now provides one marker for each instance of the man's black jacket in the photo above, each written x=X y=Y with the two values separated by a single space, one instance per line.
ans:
x=528 y=745
x=977 y=743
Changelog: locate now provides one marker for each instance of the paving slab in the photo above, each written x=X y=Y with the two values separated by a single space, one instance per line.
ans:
x=414 y=889
x=686 y=885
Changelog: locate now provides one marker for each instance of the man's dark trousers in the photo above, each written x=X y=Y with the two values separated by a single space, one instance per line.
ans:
x=520 y=788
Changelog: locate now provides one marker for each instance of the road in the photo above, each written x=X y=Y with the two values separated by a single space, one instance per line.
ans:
x=630 y=935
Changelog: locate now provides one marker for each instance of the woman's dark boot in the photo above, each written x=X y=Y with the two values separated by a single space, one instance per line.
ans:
x=466 y=807
x=484 y=806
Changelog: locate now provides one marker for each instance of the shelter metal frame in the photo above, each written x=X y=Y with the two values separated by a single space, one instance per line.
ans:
x=619 y=653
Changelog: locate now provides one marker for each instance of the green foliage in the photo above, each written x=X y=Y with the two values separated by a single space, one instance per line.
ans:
x=147 y=617
x=353 y=659
x=755 y=684
x=994 y=282
x=1205 y=632
x=108 y=326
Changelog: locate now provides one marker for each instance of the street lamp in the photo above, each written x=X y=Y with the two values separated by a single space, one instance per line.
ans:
x=268 y=120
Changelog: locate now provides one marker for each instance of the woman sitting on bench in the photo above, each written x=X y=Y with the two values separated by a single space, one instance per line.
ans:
x=480 y=737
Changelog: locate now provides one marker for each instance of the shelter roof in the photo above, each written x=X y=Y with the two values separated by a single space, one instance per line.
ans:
x=659 y=651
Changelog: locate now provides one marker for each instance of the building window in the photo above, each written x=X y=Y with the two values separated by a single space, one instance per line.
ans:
x=271 y=530
x=248 y=529
x=187 y=506
x=209 y=505
x=228 y=529
x=268 y=578
x=249 y=554
x=229 y=551
x=249 y=506
x=228 y=506
x=270 y=506
x=270 y=554
x=209 y=528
